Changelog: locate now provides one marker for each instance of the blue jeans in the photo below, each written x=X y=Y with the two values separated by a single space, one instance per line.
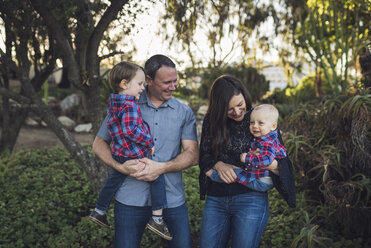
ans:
x=257 y=184
x=130 y=222
x=242 y=217
x=114 y=182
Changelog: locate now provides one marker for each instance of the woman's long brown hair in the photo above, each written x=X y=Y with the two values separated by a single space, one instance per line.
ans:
x=222 y=91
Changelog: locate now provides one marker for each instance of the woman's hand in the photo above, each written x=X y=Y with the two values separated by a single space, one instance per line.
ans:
x=273 y=167
x=226 y=172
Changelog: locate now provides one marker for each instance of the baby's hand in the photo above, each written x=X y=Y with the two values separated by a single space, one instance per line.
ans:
x=152 y=150
x=243 y=157
x=255 y=153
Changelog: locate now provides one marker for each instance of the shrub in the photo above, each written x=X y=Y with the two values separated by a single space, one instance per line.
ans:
x=45 y=200
x=41 y=192
x=330 y=147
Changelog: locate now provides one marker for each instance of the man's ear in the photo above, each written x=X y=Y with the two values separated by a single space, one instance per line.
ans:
x=124 y=84
x=149 y=80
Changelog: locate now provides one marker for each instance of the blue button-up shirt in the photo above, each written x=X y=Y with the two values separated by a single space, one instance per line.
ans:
x=170 y=123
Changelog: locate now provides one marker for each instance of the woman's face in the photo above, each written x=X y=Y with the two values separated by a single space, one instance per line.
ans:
x=237 y=108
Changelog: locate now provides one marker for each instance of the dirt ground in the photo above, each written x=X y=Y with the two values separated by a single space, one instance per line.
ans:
x=31 y=137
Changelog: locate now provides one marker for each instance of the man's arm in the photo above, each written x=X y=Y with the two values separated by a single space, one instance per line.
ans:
x=102 y=149
x=187 y=158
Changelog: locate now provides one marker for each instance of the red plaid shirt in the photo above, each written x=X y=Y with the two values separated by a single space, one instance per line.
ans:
x=130 y=134
x=270 y=148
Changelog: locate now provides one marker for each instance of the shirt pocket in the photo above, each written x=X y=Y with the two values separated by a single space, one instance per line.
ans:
x=172 y=128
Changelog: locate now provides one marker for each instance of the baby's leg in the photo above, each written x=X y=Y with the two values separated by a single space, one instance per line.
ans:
x=215 y=177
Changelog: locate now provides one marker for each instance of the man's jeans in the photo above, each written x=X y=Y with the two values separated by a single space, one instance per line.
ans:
x=114 y=182
x=243 y=217
x=130 y=222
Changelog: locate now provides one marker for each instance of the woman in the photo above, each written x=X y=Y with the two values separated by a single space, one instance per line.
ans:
x=231 y=209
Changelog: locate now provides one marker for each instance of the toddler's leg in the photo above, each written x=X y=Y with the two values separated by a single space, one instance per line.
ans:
x=158 y=197
x=108 y=191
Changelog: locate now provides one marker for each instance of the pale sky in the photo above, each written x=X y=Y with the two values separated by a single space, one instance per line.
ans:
x=148 y=42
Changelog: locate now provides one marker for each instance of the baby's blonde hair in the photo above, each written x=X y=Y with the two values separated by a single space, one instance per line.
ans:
x=270 y=110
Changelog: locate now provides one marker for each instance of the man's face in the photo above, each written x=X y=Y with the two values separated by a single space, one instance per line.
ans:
x=161 y=87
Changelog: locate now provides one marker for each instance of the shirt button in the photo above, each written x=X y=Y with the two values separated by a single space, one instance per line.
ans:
x=156 y=110
x=154 y=155
x=155 y=139
x=156 y=123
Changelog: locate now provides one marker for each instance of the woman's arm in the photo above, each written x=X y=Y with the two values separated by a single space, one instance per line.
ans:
x=206 y=158
x=207 y=161
x=226 y=172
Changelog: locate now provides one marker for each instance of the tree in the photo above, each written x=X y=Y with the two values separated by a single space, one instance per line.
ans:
x=254 y=82
x=18 y=40
x=237 y=22
x=332 y=35
x=76 y=28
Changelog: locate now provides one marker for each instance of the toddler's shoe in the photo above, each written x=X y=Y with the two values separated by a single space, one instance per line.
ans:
x=99 y=219
x=160 y=229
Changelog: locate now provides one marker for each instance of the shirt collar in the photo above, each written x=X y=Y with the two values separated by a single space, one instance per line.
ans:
x=145 y=100
x=122 y=97
x=270 y=136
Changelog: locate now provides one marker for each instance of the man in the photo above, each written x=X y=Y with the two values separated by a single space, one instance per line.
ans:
x=173 y=126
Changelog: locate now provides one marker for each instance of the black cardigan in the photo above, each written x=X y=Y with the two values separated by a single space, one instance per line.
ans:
x=240 y=139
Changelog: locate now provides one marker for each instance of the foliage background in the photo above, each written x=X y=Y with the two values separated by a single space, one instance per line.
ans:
x=45 y=201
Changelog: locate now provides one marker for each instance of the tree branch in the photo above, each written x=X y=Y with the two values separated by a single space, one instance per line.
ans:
x=109 y=15
x=16 y=97
x=110 y=55
x=62 y=40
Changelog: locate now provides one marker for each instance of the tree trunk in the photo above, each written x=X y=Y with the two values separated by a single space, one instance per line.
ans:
x=95 y=111
x=64 y=83
x=317 y=82
x=94 y=169
x=12 y=124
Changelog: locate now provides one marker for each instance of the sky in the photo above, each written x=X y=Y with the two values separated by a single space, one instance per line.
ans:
x=148 y=42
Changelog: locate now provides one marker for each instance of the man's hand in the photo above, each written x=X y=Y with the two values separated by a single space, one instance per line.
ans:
x=151 y=171
x=131 y=166
x=226 y=172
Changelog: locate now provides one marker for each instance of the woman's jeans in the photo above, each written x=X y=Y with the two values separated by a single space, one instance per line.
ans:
x=242 y=217
x=130 y=222
x=114 y=182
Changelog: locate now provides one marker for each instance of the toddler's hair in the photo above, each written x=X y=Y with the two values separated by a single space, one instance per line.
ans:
x=123 y=70
x=270 y=111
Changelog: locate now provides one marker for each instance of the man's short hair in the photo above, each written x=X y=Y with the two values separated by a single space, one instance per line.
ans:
x=155 y=62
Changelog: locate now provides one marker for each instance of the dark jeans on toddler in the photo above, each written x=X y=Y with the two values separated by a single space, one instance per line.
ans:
x=114 y=182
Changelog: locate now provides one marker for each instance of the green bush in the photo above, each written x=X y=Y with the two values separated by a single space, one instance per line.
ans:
x=41 y=192
x=45 y=200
